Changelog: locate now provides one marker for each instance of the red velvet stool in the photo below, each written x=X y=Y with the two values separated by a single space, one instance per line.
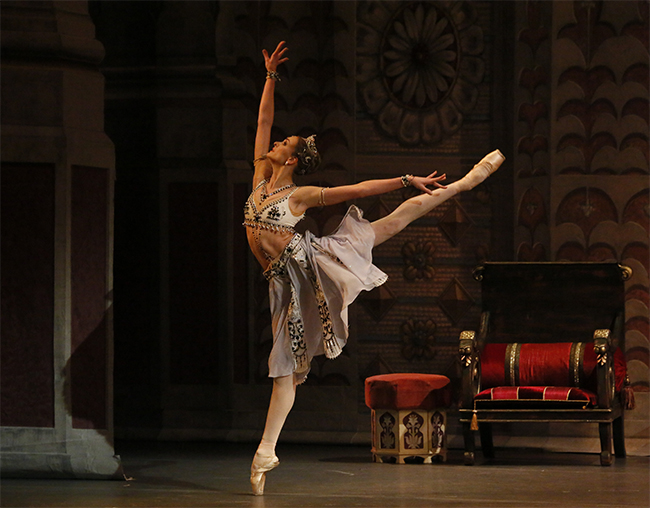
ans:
x=408 y=416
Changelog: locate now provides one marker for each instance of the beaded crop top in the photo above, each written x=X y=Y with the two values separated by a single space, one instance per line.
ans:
x=275 y=216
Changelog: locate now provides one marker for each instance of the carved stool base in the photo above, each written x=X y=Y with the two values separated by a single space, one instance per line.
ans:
x=400 y=435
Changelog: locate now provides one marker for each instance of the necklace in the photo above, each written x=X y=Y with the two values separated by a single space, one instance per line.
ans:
x=265 y=195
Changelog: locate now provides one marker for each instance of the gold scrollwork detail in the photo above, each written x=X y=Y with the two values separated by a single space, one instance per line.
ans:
x=477 y=273
x=626 y=272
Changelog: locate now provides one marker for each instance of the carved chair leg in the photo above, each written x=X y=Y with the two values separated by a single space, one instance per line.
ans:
x=605 y=430
x=619 y=437
x=468 y=435
x=485 y=430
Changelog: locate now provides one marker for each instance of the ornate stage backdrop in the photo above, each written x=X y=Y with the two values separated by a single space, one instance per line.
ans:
x=389 y=88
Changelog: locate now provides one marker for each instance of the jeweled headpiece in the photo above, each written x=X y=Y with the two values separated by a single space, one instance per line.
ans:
x=311 y=144
x=308 y=157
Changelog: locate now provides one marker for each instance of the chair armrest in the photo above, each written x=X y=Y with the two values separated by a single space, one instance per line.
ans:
x=471 y=368
x=604 y=368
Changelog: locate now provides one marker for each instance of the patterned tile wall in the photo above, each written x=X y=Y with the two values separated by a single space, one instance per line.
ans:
x=581 y=184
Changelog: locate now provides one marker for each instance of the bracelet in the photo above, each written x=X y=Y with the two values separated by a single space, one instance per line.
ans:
x=273 y=75
x=406 y=180
x=321 y=201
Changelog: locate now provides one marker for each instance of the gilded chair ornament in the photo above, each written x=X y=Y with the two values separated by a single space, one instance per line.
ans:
x=466 y=349
x=626 y=272
x=601 y=354
x=466 y=356
x=601 y=345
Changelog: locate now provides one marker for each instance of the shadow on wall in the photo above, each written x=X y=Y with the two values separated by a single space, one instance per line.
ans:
x=86 y=386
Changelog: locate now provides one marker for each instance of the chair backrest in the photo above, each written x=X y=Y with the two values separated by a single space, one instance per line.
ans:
x=551 y=302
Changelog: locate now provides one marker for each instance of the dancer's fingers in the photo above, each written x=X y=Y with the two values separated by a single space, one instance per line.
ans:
x=421 y=183
x=433 y=180
x=435 y=183
x=278 y=57
x=282 y=58
x=279 y=50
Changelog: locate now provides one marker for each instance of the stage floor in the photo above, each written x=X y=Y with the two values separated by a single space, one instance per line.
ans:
x=200 y=475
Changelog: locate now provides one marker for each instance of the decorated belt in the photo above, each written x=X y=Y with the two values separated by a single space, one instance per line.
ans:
x=278 y=267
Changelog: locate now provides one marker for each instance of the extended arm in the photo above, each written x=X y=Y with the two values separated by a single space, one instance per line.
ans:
x=265 y=115
x=308 y=197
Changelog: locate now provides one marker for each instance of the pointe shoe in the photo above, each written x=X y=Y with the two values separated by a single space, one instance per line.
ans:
x=258 y=474
x=479 y=173
x=492 y=161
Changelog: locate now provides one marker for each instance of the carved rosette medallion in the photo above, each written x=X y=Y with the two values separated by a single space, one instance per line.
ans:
x=419 y=67
x=418 y=260
x=418 y=339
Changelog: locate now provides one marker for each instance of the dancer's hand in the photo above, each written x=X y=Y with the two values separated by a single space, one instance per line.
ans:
x=276 y=58
x=422 y=182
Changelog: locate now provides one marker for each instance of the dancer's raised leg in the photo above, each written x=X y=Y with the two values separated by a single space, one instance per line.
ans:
x=282 y=398
x=418 y=206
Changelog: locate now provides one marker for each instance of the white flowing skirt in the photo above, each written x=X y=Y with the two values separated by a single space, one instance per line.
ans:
x=311 y=284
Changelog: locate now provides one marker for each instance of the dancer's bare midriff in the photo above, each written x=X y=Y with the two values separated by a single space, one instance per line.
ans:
x=270 y=243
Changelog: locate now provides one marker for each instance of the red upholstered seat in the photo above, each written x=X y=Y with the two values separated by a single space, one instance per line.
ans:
x=531 y=396
x=408 y=391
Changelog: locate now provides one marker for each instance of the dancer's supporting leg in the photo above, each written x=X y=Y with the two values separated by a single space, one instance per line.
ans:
x=282 y=398
x=418 y=206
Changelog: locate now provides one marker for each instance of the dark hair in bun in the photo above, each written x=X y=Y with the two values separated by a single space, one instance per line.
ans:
x=308 y=157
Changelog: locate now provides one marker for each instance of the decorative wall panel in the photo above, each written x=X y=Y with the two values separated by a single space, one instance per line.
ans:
x=27 y=326
x=600 y=157
x=532 y=130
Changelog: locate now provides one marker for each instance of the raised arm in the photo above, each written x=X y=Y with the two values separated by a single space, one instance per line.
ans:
x=308 y=197
x=266 y=111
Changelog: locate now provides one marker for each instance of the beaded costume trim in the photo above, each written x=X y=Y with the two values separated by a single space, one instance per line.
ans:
x=258 y=224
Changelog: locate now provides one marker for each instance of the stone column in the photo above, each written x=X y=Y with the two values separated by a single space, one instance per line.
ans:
x=57 y=243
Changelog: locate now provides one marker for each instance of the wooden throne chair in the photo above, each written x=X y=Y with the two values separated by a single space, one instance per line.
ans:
x=546 y=350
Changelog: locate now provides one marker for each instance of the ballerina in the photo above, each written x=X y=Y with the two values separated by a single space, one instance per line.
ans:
x=313 y=280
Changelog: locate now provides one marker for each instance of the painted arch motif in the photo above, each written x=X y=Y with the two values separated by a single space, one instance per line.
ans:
x=586 y=207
